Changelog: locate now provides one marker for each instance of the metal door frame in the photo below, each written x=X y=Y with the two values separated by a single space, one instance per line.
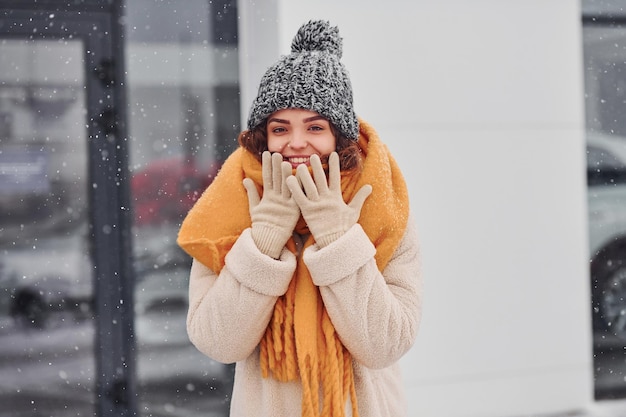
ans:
x=98 y=24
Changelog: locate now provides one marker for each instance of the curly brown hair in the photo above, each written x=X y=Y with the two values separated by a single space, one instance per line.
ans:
x=350 y=154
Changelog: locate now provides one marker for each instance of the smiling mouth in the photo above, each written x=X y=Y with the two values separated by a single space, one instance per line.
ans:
x=299 y=160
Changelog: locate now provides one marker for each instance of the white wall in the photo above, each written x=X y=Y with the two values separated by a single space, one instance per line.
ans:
x=481 y=101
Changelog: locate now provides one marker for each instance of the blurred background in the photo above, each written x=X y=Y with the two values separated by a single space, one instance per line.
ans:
x=507 y=119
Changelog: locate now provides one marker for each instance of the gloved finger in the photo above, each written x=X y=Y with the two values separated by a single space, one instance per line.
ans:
x=277 y=173
x=296 y=190
x=253 y=194
x=318 y=173
x=266 y=161
x=309 y=187
x=334 y=173
x=360 y=197
x=286 y=171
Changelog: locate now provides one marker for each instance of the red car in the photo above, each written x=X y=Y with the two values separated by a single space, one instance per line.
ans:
x=166 y=189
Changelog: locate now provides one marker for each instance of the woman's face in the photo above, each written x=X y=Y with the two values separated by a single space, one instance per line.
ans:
x=297 y=134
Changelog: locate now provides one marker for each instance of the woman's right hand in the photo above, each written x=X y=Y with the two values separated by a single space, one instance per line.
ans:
x=274 y=216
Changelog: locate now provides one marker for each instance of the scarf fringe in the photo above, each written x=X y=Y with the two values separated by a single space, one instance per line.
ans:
x=278 y=345
x=332 y=370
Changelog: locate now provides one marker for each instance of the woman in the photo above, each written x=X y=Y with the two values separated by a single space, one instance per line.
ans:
x=315 y=299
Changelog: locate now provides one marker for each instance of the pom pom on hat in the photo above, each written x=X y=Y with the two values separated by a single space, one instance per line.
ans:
x=311 y=77
x=317 y=35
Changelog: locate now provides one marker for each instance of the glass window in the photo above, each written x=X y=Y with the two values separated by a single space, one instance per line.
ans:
x=605 y=92
x=46 y=331
x=183 y=93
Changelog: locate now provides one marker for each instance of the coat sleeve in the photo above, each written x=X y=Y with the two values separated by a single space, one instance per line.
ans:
x=376 y=315
x=228 y=314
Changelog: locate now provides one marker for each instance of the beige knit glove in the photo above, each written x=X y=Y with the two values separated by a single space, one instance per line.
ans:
x=321 y=203
x=275 y=215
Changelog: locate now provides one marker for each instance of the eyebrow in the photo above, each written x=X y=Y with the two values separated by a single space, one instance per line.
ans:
x=274 y=119
x=310 y=119
x=307 y=120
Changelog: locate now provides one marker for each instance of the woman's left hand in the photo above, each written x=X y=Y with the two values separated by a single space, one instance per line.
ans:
x=321 y=203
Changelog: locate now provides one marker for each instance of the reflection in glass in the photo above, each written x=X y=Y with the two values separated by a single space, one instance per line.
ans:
x=46 y=331
x=605 y=87
x=183 y=117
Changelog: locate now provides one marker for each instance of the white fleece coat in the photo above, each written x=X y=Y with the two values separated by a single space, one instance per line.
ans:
x=376 y=316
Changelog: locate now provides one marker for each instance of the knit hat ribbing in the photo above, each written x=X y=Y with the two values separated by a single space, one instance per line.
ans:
x=311 y=77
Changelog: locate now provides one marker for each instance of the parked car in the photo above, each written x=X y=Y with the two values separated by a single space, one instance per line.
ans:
x=606 y=176
x=47 y=272
x=49 y=283
x=166 y=189
x=58 y=288
x=53 y=282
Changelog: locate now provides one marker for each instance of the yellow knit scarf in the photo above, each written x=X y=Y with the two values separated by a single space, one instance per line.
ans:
x=300 y=341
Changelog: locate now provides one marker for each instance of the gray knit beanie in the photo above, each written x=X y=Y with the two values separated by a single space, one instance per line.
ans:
x=311 y=77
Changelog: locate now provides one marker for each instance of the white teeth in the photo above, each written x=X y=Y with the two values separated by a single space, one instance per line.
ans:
x=299 y=160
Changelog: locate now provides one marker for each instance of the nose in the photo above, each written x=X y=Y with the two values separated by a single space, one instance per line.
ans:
x=297 y=140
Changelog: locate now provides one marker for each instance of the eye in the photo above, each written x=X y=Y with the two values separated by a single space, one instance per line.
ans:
x=316 y=128
x=278 y=129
